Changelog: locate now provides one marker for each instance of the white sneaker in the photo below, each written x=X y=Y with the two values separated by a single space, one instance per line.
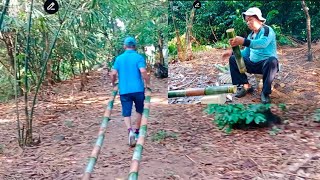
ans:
x=132 y=141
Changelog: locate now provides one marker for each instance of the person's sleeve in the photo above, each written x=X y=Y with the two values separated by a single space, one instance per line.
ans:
x=141 y=63
x=116 y=65
x=245 y=52
x=262 y=42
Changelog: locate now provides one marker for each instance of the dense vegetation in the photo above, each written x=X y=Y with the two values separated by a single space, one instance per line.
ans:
x=214 y=17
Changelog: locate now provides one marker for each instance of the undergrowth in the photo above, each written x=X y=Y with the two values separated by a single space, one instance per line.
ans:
x=226 y=117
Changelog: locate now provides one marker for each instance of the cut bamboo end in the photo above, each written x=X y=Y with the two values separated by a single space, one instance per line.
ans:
x=230 y=33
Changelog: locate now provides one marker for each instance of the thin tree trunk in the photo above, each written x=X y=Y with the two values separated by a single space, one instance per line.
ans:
x=160 y=47
x=306 y=11
x=213 y=33
x=16 y=94
x=180 y=49
x=49 y=66
x=72 y=66
x=189 y=34
x=58 y=79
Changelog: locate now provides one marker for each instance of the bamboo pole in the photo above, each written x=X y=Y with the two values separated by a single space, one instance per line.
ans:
x=103 y=127
x=236 y=50
x=4 y=11
x=202 y=91
x=137 y=154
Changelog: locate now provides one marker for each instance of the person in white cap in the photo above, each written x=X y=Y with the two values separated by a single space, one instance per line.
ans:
x=259 y=55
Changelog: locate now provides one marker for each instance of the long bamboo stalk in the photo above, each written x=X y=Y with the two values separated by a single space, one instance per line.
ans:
x=236 y=50
x=16 y=90
x=4 y=11
x=137 y=154
x=103 y=127
x=202 y=91
x=28 y=137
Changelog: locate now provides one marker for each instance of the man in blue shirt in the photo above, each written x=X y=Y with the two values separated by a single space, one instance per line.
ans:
x=259 y=55
x=131 y=70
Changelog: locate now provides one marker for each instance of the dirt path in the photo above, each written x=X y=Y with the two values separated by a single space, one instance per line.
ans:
x=297 y=82
x=69 y=122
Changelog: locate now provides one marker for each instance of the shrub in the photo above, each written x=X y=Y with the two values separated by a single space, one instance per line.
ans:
x=236 y=115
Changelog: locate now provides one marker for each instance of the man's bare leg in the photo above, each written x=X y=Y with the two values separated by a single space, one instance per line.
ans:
x=138 y=121
x=127 y=121
x=132 y=141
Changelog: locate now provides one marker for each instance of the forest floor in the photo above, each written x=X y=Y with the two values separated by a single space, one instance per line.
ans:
x=68 y=121
x=297 y=82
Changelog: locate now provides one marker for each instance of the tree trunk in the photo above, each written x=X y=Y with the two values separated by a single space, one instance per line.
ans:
x=83 y=77
x=58 y=79
x=72 y=66
x=50 y=78
x=180 y=49
x=160 y=47
x=306 y=11
x=189 y=34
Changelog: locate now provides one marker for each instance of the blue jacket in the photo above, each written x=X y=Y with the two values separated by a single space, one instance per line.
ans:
x=262 y=46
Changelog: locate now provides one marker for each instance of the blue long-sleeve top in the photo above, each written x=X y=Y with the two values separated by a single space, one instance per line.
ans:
x=262 y=46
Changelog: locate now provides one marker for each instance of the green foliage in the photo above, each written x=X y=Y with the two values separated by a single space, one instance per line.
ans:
x=6 y=85
x=316 y=115
x=281 y=38
x=172 y=49
x=237 y=115
x=218 y=16
x=161 y=135
x=90 y=36
x=227 y=116
x=222 y=44
x=200 y=48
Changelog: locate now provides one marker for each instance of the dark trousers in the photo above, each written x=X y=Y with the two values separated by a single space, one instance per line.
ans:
x=268 y=68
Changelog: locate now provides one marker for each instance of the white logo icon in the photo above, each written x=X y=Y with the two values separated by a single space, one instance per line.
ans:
x=51 y=7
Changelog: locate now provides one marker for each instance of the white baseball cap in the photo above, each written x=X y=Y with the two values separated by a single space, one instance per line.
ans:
x=254 y=11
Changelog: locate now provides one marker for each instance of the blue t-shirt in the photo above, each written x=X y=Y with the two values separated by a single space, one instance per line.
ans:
x=127 y=65
x=262 y=46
